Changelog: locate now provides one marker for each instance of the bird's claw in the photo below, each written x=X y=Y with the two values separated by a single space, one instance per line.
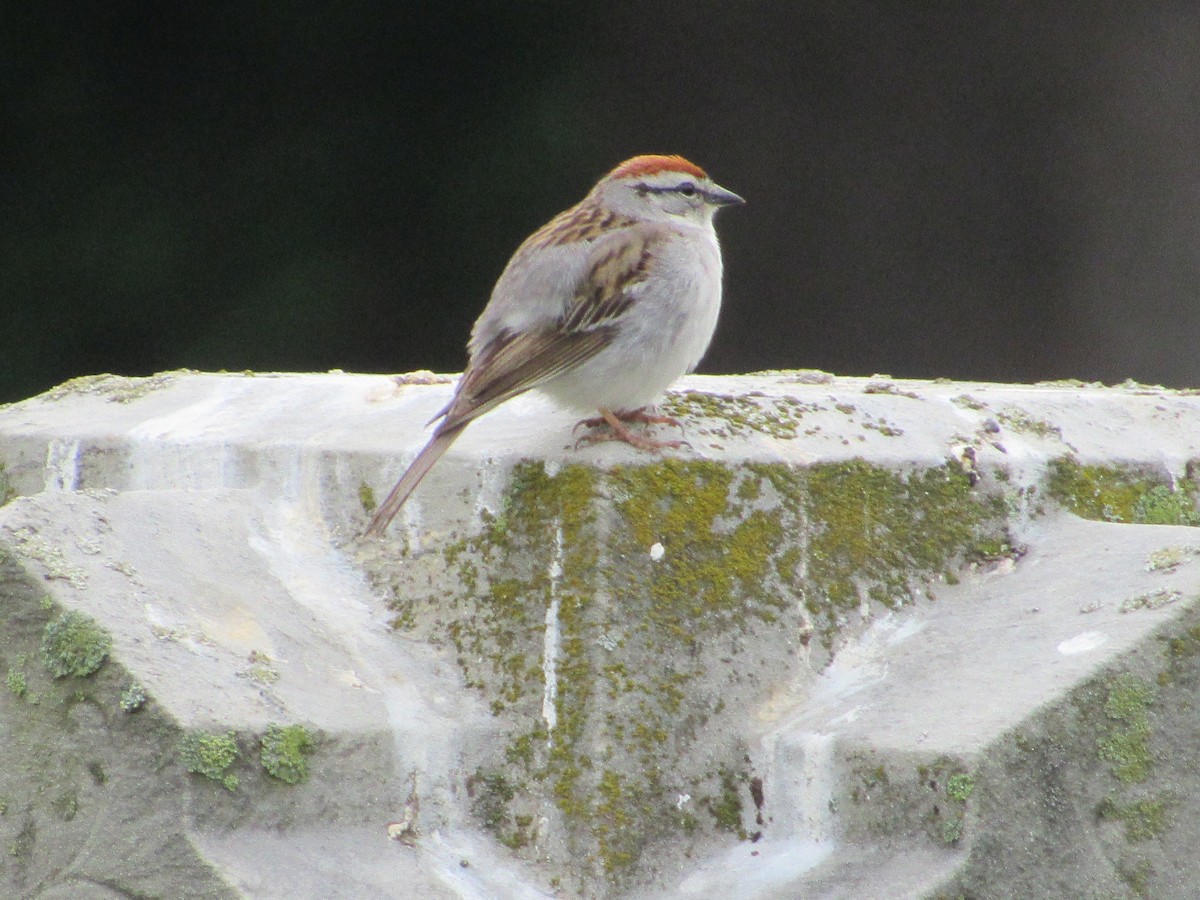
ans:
x=610 y=426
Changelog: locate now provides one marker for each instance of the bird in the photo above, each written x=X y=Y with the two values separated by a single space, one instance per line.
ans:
x=602 y=309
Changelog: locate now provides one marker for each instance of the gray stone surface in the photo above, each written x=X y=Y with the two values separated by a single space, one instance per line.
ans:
x=561 y=687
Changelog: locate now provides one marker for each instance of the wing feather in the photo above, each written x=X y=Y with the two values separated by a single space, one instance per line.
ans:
x=512 y=363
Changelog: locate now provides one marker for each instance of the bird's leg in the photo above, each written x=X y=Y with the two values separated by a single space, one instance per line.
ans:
x=646 y=416
x=642 y=414
x=610 y=426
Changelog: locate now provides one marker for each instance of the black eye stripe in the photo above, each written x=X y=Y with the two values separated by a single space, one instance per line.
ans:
x=687 y=189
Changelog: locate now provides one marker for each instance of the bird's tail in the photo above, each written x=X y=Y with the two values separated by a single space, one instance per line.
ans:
x=438 y=444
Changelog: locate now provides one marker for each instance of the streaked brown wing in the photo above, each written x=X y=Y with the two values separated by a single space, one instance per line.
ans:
x=615 y=267
x=513 y=363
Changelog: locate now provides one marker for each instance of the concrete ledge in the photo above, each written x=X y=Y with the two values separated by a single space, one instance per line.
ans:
x=857 y=641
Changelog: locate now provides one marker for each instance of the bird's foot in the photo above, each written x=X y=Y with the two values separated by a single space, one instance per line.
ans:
x=610 y=426
x=643 y=416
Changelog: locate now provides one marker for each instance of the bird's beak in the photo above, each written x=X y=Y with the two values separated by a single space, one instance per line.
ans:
x=718 y=196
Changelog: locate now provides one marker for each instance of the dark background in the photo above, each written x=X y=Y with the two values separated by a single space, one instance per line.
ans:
x=998 y=191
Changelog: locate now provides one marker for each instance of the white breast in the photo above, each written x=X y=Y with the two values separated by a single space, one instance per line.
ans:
x=664 y=335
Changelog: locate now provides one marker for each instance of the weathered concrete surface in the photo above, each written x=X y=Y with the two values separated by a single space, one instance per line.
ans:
x=849 y=644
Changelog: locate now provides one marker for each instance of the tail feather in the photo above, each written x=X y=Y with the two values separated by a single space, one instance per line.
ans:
x=438 y=444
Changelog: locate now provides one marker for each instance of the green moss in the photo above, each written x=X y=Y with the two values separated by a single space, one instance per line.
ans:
x=1112 y=494
x=522 y=750
x=285 y=750
x=492 y=797
x=884 y=428
x=74 y=644
x=210 y=755
x=989 y=549
x=66 y=805
x=1127 y=743
x=1137 y=874
x=960 y=787
x=7 y=491
x=1162 y=506
x=113 y=388
x=726 y=806
x=875 y=777
x=966 y=401
x=751 y=557
x=1168 y=558
x=493 y=794
x=876 y=533
x=1180 y=650
x=1155 y=599
x=1144 y=819
x=749 y=489
x=715 y=567
x=729 y=415
x=1020 y=421
x=887 y=387
x=366 y=498
x=952 y=830
x=261 y=669
x=133 y=698
x=17 y=683
x=617 y=836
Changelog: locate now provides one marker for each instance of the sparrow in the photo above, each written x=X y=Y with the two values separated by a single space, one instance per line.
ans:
x=602 y=308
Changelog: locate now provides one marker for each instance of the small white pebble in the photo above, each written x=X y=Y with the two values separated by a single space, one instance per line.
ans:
x=657 y=552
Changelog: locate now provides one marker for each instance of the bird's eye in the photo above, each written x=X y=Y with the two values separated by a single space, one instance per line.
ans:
x=687 y=189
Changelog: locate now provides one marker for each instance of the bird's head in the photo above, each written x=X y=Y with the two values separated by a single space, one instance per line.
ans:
x=662 y=188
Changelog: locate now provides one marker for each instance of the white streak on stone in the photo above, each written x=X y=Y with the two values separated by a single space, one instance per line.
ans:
x=551 y=641
x=62 y=465
x=769 y=868
x=816 y=788
x=204 y=417
x=1082 y=643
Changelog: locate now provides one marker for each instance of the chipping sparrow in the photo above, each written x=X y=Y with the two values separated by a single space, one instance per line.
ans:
x=602 y=308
